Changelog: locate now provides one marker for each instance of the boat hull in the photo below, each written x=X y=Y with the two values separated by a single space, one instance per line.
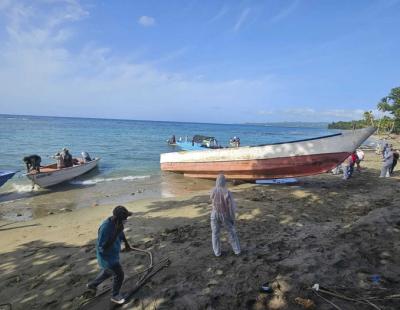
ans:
x=5 y=176
x=48 y=179
x=284 y=167
x=283 y=160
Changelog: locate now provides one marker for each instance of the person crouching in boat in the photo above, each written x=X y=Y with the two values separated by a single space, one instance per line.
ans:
x=108 y=246
x=223 y=213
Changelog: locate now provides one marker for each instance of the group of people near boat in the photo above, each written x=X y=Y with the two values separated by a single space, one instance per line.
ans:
x=64 y=160
x=389 y=155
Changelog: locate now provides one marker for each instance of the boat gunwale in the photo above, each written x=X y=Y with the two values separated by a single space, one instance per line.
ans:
x=62 y=169
x=259 y=145
x=302 y=140
x=241 y=160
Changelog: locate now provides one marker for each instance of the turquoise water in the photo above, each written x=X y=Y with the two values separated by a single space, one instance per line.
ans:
x=129 y=150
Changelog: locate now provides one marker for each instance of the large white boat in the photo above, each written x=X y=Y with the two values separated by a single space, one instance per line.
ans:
x=272 y=161
x=51 y=175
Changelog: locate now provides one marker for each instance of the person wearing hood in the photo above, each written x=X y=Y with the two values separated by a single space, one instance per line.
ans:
x=223 y=214
x=108 y=246
x=387 y=163
x=67 y=158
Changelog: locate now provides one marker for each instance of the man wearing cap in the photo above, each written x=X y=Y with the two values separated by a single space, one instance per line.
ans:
x=108 y=246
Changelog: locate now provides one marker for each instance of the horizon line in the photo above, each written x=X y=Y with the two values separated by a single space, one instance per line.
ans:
x=166 y=121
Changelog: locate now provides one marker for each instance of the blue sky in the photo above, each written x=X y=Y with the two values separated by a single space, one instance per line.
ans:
x=203 y=61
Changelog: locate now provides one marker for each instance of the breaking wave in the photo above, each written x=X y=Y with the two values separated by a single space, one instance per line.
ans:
x=21 y=188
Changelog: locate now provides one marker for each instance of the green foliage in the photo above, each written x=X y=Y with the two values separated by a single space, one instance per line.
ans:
x=391 y=104
x=348 y=125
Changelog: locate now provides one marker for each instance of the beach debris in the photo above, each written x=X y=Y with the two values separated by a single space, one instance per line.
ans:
x=50 y=213
x=375 y=278
x=212 y=282
x=306 y=303
x=6 y=306
x=19 y=214
x=266 y=288
x=65 y=210
x=133 y=194
x=219 y=272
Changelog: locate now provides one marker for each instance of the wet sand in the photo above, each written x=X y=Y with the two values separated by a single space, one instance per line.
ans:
x=343 y=235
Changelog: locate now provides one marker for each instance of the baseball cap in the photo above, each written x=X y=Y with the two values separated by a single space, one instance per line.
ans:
x=121 y=212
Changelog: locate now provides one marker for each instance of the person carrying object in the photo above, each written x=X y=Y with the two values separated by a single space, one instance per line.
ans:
x=223 y=214
x=108 y=246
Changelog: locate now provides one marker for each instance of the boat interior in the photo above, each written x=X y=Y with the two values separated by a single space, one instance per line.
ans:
x=53 y=167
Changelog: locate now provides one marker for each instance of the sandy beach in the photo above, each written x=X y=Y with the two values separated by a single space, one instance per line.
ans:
x=343 y=235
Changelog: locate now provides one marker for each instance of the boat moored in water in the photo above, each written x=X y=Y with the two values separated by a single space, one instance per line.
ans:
x=197 y=143
x=50 y=175
x=271 y=161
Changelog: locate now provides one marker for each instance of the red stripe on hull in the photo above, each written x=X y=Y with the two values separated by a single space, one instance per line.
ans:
x=270 y=168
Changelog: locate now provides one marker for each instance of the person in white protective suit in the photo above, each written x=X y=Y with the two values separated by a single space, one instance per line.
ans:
x=387 y=163
x=223 y=214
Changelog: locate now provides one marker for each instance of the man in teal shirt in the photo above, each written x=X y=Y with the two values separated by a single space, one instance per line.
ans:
x=108 y=246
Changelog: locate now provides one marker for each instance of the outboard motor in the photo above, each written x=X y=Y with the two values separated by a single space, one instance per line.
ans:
x=86 y=157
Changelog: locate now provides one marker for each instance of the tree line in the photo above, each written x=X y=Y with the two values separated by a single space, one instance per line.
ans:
x=386 y=124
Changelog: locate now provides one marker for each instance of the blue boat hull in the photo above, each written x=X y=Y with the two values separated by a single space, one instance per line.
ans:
x=5 y=176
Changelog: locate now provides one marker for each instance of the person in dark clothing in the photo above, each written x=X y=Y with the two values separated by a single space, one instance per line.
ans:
x=66 y=158
x=32 y=162
x=108 y=246
x=395 y=159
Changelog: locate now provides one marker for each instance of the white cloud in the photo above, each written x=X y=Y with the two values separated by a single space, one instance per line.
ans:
x=307 y=113
x=264 y=112
x=285 y=12
x=146 y=21
x=242 y=18
x=221 y=13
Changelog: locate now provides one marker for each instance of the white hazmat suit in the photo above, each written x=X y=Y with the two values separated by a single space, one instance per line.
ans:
x=223 y=213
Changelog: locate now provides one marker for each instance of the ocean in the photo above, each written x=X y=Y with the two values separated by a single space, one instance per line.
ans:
x=129 y=151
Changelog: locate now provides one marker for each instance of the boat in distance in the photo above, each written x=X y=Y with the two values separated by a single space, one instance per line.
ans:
x=270 y=161
x=50 y=175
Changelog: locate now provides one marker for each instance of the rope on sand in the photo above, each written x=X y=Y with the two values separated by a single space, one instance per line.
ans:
x=328 y=301
x=316 y=288
x=150 y=271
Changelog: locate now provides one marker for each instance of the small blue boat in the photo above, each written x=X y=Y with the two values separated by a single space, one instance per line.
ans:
x=5 y=175
x=197 y=143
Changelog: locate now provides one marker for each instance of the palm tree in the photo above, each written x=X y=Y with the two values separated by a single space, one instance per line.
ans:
x=369 y=118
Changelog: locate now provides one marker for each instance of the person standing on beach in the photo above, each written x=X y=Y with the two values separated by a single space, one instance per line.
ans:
x=223 y=213
x=395 y=159
x=108 y=246
x=387 y=163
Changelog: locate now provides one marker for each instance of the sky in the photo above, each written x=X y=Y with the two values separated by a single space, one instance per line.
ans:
x=198 y=61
